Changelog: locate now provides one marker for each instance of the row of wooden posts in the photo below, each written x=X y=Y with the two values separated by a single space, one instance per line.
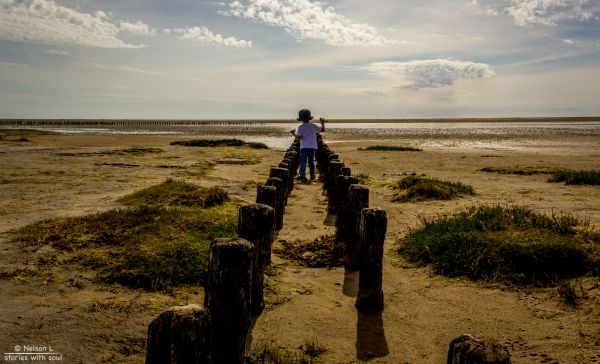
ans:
x=218 y=332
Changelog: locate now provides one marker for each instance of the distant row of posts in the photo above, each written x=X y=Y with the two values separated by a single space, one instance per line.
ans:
x=217 y=333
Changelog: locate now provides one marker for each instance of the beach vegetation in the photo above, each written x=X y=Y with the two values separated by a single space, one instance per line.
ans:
x=391 y=148
x=420 y=188
x=269 y=353
x=568 y=176
x=159 y=241
x=522 y=170
x=576 y=177
x=172 y=193
x=509 y=244
x=322 y=252
x=219 y=143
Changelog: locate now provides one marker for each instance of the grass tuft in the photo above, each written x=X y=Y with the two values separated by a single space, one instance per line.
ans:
x=177 y=193
x=152 y=247
x=418 y=188
x=219 y=143
x=313 y=349
x=504 y=244
x=391 y=148
x=524 y=171
x=576 y=177
x=323 y=252
x=271 y=354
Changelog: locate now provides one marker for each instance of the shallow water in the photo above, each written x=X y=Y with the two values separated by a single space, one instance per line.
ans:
x=479 y=135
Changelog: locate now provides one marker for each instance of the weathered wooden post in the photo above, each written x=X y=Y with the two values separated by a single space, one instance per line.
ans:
x=358 y=200
x=180 y=335
x=373 y=226
x=343 y=205
x=335 y=167
x=346 y=171
x=256 y=223
x=280 y=210
x=284 y=174
x=288 y=164
x=267 y=195
x=466 y=349
x=227 y=298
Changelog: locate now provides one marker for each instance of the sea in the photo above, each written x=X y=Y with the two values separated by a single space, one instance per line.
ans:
x=275 y=134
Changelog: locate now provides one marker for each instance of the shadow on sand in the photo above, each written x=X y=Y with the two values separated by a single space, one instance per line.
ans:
x=370 y=336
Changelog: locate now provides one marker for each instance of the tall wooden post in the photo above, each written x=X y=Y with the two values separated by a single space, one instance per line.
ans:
x=227 y=298
x=373 y=226
x=358 y=200
x=267 y=195
x=343 y=206
x=280 y=210
x=256 y=223
x=334 y=171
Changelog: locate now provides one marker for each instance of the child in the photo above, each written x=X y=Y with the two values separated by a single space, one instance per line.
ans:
x=307 y=134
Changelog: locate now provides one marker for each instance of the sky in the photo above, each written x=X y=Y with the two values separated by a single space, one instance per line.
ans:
x=266 y=59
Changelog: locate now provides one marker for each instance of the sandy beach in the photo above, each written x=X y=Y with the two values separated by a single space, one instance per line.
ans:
x=74 y=174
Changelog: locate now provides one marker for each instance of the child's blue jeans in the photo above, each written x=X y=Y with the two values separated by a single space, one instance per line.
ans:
x=307 y=154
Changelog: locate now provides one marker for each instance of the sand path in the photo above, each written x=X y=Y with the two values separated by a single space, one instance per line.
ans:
x=422 y=312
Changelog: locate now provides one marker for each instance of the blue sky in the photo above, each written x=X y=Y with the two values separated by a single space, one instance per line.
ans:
x=255 y=59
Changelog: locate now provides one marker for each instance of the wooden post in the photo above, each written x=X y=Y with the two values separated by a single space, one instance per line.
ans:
x=358 y=200
x=334 y=171
x=267 y=195
x=287 y=163
x=346 y=171
x=284 y=174
x=280 y=209
x=343 y=206
x=373 y=226
x=227 y=298
x=256 y=223
x=180 y=335
x=466 y=349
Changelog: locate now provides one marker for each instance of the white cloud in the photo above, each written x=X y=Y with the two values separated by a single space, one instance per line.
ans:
x=569 y=41
x=482 y=10
x=127 y=69
x=309 y=20
x=12 y=64
x=137 y=28
x=58 y=52
x=47 y=22
x=548 y=12
x=203 y=35
x=416 y=75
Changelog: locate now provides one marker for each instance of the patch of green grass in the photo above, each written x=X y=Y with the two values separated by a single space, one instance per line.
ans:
x=155 y=247
x=520 y=170
x=504 y=244
x=313 y=349
x=418 y=188
x=128 y=151
x=322 y=252
x=271 y=354
x=177 y=193
x=364 y=179
x=576 y=177
x=391 y=148
x=219 y=143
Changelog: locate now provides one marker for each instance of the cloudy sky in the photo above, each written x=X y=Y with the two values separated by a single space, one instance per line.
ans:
x=200 y=59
